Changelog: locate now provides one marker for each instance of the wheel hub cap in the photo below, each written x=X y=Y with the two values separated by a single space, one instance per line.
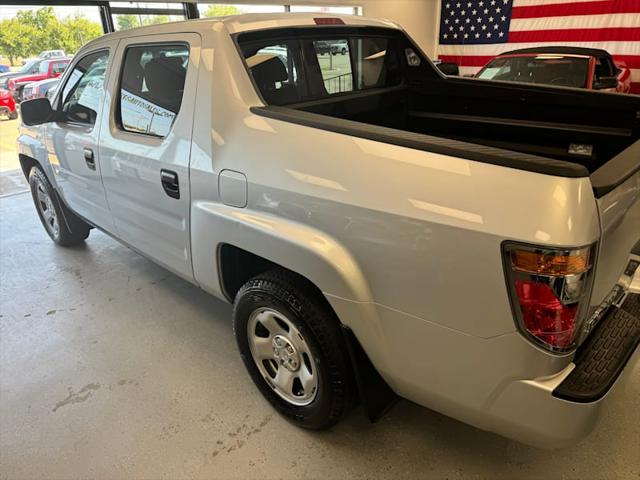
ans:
x=285 y=353
x=283 y=356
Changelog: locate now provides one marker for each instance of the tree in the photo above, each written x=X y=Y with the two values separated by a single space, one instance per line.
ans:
x=15 y=39
x=79 y=31
x=125 y=22
x=32 y=32
x=221 y=10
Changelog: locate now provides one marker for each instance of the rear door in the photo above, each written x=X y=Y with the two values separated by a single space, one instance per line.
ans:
x=146 y=145
x=73 y=142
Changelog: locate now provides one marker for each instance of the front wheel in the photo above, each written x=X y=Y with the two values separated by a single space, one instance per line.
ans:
x=292 y=346
x=62 y=225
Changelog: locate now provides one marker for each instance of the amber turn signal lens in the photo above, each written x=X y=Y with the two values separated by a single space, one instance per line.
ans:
x=551 y=262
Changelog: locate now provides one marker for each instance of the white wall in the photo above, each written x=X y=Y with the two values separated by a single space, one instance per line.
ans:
x=420 y=18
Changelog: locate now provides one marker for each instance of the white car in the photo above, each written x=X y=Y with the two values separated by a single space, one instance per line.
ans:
x=470 y=246
x=52 y=54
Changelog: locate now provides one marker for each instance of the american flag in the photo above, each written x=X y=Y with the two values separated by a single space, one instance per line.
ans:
x=472 y=32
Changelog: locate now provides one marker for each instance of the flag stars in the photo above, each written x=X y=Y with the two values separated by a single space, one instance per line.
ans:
x=457 y=20
x=496 y=26
x=484 y=27
x=446 y=21
x=477 y=35
x=488 y=34
x=501 y=34
x=466 y=35
x=491 y=19
x=498 y=10
x=486 y=11
x=463 y=13
x=467 y=20
x=503 y=18
x=493 y=2
x=473 y=27
x=455 y=35
x=473 y=12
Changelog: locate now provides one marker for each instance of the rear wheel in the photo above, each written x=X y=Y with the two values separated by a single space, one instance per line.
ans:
x=62 y=225
x=292 y=346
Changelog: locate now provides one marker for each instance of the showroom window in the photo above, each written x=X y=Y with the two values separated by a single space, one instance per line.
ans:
x=208 y=10
x=83 y=91
x=151 y=88
x=128 y=15
x=322 y=9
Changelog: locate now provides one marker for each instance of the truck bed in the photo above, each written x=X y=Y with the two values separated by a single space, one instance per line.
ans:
x=584 y=128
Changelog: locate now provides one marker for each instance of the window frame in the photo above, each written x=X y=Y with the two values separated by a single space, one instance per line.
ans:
x=58 y=99
x=117 y=110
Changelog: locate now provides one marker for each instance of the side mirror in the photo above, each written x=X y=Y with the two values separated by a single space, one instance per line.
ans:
x=606 y=83
x=37 y=112
x=449 y=68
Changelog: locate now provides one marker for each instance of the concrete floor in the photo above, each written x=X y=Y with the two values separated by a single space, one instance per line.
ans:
x=110 y=367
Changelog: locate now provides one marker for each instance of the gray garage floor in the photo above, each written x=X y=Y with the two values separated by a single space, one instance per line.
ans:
x=113 y=368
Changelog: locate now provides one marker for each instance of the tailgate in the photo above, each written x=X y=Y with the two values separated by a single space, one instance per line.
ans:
x=619 y=211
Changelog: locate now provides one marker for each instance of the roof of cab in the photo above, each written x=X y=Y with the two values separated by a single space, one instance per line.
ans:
x=244 y=23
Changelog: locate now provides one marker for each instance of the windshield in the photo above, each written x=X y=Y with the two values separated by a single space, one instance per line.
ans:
x=26 y=68
x=558 y=70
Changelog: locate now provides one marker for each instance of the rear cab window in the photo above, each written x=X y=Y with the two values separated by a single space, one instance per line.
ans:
x=151 y=87
x=300 y=64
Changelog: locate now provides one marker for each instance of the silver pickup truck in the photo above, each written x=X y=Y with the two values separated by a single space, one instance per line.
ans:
x=382 y=230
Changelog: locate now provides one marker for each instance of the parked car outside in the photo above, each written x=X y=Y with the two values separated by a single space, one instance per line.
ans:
x=560 y=66
x=471 y=246
x=50 y=68
x=39 y=89
x=7 y=105
x=340 y=47
x=31 y=66
x=52 y=54
x=4 y=68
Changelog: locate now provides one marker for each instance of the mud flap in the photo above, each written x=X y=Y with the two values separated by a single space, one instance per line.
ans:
x=376 y=396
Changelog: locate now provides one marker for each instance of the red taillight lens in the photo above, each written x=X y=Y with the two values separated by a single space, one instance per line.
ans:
x=549 y=291
x=544 y=316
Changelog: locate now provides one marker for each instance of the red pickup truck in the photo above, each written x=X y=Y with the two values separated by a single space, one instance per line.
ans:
x=48 y=69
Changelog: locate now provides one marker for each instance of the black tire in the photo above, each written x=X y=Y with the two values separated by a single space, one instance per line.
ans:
x=316 y=322
x=344 y=51
x=70 y=230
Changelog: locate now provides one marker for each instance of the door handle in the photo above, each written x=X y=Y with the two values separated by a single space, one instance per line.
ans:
x=89 y=158
x=169 y=180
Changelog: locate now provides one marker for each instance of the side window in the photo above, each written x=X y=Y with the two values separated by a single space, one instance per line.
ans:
x=58 y=68
x=273 y=68
x=82 y=94
x=151 y=88
x=334 y=59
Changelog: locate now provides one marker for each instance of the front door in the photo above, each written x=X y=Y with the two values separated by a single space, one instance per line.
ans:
x=146 y=148
x=73 y=142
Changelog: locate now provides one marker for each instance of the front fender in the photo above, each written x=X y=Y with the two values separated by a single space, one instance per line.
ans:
x=30 y=144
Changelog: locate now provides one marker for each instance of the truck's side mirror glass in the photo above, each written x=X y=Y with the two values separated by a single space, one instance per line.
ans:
x=606 y=83
x=449 y=68
x=37 y=111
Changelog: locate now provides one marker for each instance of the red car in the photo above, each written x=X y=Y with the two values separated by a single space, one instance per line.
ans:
x=7 y=105
x=576 y=67
x=48 y=69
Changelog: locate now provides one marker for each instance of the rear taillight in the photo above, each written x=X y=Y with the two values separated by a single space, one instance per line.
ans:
x=328 y=21
x=549 y=291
